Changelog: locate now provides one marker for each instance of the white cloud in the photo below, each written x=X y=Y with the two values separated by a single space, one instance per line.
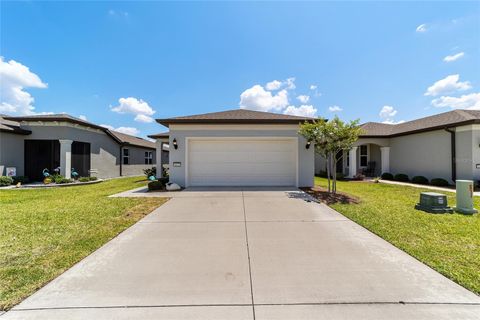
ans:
x=313 y=87
x=303 y=110
x=446 y=85
x=273 y=85
x=335 y=109
x=15 y=78
x=84 y=118
x=393 y=121
x=303 y=98
x=387 y=113
x=422 y=28
x=127 y=130
x=133 y=106
x=109 y=127
x=290 y=83
x=469 y=101
x=143 y=118
x=257 y=98
x=454 y=57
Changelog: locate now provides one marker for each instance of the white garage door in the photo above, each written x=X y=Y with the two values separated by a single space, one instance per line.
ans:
x=234 y=162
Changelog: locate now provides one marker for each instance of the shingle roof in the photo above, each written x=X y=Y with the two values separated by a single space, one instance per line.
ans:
x=117 y=136
x=160 y=135
x=435 y=122
x=133 y=140
x=11 y=126
x=236 y=116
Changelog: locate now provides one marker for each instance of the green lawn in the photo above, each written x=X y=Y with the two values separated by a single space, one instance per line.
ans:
x=449 y=243
x=43 y=232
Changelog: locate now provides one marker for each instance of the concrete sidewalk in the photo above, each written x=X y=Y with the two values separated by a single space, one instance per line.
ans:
x=248 y=254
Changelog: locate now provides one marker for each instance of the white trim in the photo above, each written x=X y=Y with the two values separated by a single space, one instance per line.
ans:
x=248 y=127
x=188 y=139
x=61 y=124
x=469 y=127
x=360 y=155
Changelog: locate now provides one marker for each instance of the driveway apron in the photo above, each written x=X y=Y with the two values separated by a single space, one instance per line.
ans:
x=248 y=253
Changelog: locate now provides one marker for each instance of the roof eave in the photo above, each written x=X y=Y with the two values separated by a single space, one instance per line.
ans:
x=168 y=122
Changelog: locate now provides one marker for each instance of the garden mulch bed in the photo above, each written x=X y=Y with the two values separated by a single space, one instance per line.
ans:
x=324 y=196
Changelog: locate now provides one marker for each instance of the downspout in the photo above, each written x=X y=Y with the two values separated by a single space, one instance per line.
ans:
x=452 y=147
x=121 y=160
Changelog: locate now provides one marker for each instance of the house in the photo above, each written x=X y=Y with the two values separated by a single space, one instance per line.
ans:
x=238 y=148
x=445 y=145
x=32 y=143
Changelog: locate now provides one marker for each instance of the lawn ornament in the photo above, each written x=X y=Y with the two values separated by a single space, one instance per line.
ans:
x=45 y=173
x=74 y=174
x=172 y=186
x=152 y=178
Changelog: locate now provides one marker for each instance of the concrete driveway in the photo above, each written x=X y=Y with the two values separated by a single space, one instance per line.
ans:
x=248 y=254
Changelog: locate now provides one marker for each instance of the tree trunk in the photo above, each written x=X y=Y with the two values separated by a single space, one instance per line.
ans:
x=328 y=171
x=334 y=184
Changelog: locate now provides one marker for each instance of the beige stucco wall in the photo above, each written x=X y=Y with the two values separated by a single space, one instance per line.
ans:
x=423 y=154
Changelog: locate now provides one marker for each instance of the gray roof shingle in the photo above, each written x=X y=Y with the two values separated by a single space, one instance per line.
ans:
x=117 y=136
x=435 y=122
x=236 y=116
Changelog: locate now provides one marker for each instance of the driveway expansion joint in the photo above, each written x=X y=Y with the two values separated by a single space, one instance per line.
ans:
x=248 y=255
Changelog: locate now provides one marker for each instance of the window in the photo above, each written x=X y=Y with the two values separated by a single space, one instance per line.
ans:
x=148 y=157
x=363 y=155
x=126 y=156
x=348 y=158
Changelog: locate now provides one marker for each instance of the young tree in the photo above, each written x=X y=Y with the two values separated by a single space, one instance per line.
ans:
x=329 y=138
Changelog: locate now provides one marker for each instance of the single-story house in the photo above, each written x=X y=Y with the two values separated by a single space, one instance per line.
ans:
x=238 y=148
x=32 y=143
x=445 y=145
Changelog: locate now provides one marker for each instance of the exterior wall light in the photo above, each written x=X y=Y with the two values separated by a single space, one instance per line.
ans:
x=175 y=145
x=307 y=146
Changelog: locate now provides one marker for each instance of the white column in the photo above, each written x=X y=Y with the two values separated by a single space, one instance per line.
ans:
x=66 y=158
x=385 y=157
x=158 y=160
x=352 y=168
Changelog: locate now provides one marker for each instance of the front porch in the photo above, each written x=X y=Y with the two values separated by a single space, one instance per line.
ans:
x=51 y=154
x=369 y=157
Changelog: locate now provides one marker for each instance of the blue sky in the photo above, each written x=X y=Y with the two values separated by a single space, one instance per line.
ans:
x=124 y=63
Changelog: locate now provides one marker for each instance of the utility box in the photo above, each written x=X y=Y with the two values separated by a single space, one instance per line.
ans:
x=433 y=202
x=465 y=197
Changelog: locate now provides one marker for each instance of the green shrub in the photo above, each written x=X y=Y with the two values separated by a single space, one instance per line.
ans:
x=420 y=180
x=21 y=179
x=387 y=176
x=150 y=172
x=439 y=182
x=87 y=179
x=156 y=185
x=401 y=177
x=60 y=180
x=5 y=181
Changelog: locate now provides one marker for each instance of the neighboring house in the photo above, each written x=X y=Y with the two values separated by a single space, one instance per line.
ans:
x=238 y=148
x=33 y=143
x=445 y=145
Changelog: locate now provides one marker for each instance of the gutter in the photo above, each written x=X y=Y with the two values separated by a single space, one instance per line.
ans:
x=452 y=147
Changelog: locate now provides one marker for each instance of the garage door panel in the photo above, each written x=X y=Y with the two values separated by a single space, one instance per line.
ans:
x=242 y=162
